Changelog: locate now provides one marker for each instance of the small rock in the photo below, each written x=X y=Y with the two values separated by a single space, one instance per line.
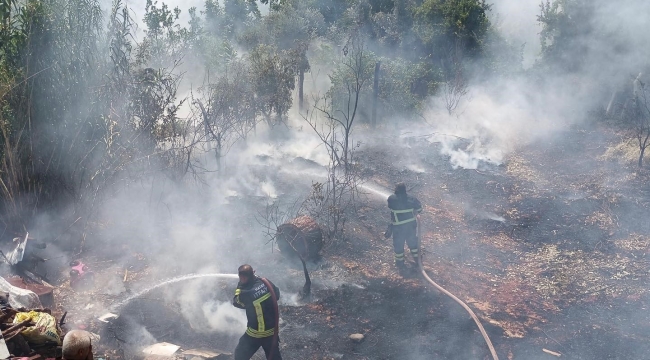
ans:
x=357 y=337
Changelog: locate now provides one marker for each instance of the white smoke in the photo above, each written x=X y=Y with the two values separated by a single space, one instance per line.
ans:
x=501 y=114
x=223 y=317
x=517 y=21
x=493 y=120
x=201 y=307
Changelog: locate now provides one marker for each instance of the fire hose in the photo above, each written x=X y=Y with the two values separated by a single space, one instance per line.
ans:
x=276 y=331
x=444 y=291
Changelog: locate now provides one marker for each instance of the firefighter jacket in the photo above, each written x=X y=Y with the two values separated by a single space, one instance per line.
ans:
x=403 y=209
x=256 y=299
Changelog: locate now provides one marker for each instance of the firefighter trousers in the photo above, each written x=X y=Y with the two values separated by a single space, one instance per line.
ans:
x=248 y=346
x=405 y=233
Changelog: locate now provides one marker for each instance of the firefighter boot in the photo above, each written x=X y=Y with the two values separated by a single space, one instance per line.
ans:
x=401 y=267
x=416 y=254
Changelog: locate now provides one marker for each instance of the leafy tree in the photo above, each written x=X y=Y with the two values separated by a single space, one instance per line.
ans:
x=332 y=10
x=441 y=24
x=238 y=15
x=153 y=105
x=49 y=49
x=273 y=73
x=82 y=113
x=230 y=112
x=501 y=57
x=12 y=34
x=291 y=24
x=166 y=42
x=289 y=28
x=565 y=25
x=211 y=37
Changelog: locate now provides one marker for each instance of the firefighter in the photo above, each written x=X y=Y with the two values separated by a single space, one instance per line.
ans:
x=405 y=213
x=254 y=296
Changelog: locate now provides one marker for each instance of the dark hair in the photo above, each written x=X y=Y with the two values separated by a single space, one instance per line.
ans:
x=400 y=189
x=246 y=270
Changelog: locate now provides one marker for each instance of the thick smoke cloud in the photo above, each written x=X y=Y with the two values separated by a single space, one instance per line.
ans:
x=501 y=113
x=208 y=224
x=496 y=117
x=198 y=305
x=516 y=20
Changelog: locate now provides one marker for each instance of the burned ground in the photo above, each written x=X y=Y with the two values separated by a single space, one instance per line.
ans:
x=550 y=250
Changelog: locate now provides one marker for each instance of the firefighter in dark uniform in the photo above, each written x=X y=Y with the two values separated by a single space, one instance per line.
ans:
x=253 y=295
x=404 y=213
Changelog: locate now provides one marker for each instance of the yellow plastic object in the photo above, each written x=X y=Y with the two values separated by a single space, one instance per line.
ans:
x=44 y=330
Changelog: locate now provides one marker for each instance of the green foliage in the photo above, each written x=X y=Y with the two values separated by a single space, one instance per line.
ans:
x=166 y=41
x=227 y=20
x=152 y=105
x=500 y=56
x=403 y=85
x=286 y=28
x=237 y=15
x=210 y=41
x=51 y=58
x=332 y=10
x=83 y=104
x=565 y=23
x=273 y=75
x=441 y=24
x=353 y=70
x=232 y=103
x=12 y=34
x=76 y=99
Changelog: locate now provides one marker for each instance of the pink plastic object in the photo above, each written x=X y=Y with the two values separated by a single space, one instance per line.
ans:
x=81 y=267
x=79 y=272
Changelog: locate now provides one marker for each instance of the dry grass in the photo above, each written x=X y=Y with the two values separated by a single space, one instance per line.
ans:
x=634 y=243
x=625 y=152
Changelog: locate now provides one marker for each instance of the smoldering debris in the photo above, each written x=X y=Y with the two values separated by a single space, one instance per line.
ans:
x=34 y=332
x=177 y=320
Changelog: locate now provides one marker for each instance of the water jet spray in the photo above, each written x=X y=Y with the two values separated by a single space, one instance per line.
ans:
x=119 y=305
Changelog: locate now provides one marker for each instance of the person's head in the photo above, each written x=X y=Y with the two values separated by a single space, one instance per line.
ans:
x=77 y=345
x=246 y=273
x=400 y=189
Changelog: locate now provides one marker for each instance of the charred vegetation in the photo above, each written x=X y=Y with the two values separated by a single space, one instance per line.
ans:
x=152 y=142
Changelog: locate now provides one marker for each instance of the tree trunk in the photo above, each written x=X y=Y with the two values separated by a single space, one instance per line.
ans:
x=375 y=94
x=346 y=142
x=301 y=82
x=217 y=153
x=267 y=116
x=641 y=157
x=643 y=144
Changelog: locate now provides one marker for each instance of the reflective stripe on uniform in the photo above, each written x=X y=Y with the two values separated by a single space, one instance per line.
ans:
x=261 y=327
x=399 y=257
x=414 y=252
x=397 y=221
x=260 y=334
x=261 y=331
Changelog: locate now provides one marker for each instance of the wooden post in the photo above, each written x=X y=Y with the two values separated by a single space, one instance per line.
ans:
x=375 y=94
